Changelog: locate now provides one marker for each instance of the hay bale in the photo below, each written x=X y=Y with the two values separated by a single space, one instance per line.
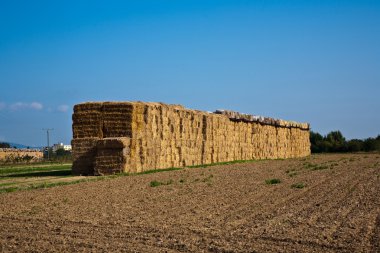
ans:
x=87 y=120
x=117 y=119
x=84 y=152
x=88 y=107
x=87 y=125
x=112 y=156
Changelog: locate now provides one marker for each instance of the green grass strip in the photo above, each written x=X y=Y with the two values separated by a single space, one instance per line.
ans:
x=10 y=171
x=7 y=184
x=155 y=171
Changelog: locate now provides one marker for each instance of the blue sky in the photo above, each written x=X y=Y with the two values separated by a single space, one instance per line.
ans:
x=309 y=61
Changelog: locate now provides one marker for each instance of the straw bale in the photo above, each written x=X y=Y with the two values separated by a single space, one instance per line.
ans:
x=117 y=119
x=87 y=120
x=84 y=150
x=112 y=155
x=111 y=143
x=88 y=106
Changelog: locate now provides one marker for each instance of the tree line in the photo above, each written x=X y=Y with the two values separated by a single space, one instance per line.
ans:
x=336 y=142
x=5 y=145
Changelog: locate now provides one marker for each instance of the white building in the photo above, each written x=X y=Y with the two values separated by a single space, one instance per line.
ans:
x=61 y=146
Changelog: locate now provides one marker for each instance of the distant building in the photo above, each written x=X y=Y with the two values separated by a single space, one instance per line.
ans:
x=61 y=146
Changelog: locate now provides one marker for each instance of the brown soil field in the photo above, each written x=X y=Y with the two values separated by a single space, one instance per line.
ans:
x=323 y=203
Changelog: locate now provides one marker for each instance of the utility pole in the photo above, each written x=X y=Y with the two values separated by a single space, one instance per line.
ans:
x=48 y=139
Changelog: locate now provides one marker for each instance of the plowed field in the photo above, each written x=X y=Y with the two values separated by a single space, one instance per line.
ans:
x=324 y=203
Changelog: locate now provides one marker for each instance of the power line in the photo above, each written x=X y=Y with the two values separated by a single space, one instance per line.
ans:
x=48 y=139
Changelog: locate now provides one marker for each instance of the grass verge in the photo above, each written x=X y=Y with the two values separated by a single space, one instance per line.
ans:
x=221 y=163
x=4 y=171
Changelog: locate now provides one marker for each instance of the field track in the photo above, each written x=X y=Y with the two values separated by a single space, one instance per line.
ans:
x=324 y=203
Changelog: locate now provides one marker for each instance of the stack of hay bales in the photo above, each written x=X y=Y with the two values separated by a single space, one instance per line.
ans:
x=87 y=130
x=165 y=136
x=147 y=136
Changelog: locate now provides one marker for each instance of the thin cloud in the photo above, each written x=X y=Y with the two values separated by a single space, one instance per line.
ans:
x=2 y=106
x=18 y=106
x=63 y=108
x=22 y=106
x=36 y=106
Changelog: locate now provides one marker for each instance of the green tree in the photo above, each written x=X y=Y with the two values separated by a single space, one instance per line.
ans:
x=337 y=141
x=315 y=140
x=355 y=145
x=4 y=145
x=62 y=152
x=371 y=144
